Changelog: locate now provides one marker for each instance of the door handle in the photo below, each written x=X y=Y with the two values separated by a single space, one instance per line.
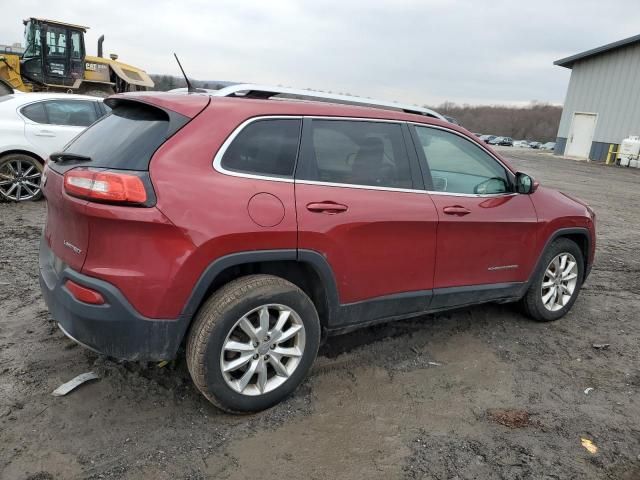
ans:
x=330 y=208
x=456 y=210
x=45 y=133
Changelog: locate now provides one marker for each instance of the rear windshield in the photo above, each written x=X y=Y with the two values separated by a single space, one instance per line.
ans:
x=126 y=138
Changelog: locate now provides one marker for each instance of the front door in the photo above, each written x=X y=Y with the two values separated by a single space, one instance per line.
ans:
x=581 y=135
x=56 y=55
x=360 y=203
x=486 y=233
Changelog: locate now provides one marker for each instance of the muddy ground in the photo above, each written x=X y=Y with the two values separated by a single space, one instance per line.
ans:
x=481 y=393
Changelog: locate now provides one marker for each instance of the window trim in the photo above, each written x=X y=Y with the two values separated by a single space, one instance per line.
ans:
x=425 y=163
x=217 y=160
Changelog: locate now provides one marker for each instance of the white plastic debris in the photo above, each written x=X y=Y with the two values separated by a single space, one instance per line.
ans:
x=73 y=384
x=589 y=445
x=588 y=390
x=434 y=364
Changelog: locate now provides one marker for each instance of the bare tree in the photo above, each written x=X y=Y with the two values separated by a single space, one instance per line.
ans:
x=537 y=121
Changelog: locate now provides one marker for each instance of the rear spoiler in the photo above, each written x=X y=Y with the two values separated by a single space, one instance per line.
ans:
x=186 y=105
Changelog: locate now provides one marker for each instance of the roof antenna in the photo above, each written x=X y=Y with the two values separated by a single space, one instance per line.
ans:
x=190 y=88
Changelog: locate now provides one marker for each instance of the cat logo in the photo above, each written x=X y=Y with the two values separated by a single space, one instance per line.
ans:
x=94 y=67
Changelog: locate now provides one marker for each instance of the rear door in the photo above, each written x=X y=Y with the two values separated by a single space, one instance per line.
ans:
x=486 y=233
x=361 y=204
x=51 y=124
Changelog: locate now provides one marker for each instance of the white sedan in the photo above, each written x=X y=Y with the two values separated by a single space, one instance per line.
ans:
x=32 y=126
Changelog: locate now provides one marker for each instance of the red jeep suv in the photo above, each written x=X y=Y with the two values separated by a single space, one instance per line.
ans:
x=247 y=227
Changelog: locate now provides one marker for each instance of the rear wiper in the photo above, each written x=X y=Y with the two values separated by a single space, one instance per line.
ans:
x=64 y=156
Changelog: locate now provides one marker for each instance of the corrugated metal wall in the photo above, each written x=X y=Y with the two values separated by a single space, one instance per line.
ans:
x=609 y=85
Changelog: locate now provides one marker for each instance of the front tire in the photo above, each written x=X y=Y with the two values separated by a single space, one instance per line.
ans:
x=252 y=343
x=557 y=283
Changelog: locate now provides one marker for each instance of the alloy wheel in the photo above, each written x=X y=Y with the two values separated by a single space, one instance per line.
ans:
x=559 y=281
x=262 y=349
x=19 y=179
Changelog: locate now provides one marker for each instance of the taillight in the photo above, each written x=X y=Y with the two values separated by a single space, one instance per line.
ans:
x=111 y=186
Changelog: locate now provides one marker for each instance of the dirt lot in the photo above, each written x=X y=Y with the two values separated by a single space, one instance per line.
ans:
x=481 y=393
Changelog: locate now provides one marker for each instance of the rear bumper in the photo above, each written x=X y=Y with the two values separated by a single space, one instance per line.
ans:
x=115 y=328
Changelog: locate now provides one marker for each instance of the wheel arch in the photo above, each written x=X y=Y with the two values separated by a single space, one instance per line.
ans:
x=19 y=151
x=306 y=269
x=580 y=235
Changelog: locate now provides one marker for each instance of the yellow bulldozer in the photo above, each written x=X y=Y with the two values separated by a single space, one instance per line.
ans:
x=55 y=60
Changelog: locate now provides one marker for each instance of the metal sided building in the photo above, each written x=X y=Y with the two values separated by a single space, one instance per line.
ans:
x=602 y=106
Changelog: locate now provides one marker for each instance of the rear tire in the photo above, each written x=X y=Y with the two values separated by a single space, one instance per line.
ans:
x=252 y=343
x=20 y=178
x=557 y=273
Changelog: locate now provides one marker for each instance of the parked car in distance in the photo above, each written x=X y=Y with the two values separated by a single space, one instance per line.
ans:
x=503 y=141
x=487 y=138
x=535 y=145
x=548 y=146
x=32 y=126
x=250 y=228
x=521 y=143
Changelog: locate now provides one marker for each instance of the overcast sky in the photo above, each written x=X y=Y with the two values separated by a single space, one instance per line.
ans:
x=415 y=51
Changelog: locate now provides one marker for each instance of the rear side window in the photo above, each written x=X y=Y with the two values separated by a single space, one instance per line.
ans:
x=35 y=112
x=265 y=147
x=73 y=113
x=358 y=153
x=126 y=138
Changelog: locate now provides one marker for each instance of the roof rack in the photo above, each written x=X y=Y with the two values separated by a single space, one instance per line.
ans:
x=249 y=90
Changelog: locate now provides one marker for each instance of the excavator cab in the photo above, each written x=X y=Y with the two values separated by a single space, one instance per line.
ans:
x=55 y=60
x=54 y=52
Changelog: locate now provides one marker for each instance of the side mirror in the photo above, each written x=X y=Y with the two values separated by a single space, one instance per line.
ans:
x=525 y=184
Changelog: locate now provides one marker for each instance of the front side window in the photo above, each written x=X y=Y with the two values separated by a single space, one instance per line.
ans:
x=265 y=147
x=458 y=166
x=32 y=41
x=357 y=153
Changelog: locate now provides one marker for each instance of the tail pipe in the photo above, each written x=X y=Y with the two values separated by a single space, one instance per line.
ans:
x=100 y=40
